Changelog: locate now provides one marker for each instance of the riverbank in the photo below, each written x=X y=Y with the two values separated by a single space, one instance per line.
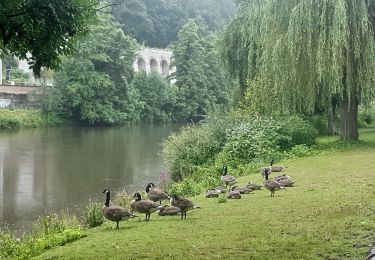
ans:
x=11 y=119
x=329 y=214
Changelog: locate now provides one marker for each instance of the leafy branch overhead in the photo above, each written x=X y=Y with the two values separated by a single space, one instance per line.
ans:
x=40 y=31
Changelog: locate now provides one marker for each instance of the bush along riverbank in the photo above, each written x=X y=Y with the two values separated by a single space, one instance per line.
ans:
x=196 y=154
x=12 y=119
x=49 y=231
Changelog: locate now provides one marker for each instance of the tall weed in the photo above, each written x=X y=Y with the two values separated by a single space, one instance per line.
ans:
x=93 y=214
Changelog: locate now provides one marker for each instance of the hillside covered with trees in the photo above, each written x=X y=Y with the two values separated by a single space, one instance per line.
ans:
x=156 y=23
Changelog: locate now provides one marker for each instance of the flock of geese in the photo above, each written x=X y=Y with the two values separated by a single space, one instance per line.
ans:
x=180 y=205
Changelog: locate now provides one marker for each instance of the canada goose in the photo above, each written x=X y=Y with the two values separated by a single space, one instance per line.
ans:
x=234 y=194
x=145 y=206
x=284 y=180
x=220 y=189
x=281 y=177
x=183 y=203
x=212 y=193
x=264 y=169
x=253 y=186
x=227 y=179
x=169 y=211
x=156 y=194
x=271 y=185
x=242 y=190
x=276 y=168
x=114 y=213
x=132 y=204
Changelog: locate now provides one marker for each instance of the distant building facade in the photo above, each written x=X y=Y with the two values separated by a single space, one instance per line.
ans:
x=154 y=60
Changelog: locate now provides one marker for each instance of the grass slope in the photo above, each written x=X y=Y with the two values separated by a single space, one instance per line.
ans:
x=330 y=214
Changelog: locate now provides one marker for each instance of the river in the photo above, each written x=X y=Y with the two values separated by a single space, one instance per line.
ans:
x=55 y=169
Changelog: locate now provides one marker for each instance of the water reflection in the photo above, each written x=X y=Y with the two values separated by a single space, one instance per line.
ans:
x=44 y=170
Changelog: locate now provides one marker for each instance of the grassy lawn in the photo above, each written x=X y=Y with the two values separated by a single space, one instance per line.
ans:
x=329 y=214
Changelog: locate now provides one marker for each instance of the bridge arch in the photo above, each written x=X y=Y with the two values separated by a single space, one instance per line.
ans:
x=157 y=60
x=141 y=64
x=164 y=68
x=153 y=65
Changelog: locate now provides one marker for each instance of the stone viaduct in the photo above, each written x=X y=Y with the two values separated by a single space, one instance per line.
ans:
x=154 y=60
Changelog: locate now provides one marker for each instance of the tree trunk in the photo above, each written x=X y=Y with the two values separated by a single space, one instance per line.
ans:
x=331 y=123
x=348 y=113
x=332 y=129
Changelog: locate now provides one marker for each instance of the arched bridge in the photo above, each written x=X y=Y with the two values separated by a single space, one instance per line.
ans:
x=150 y=59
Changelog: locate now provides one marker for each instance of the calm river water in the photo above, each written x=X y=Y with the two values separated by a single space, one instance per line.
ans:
x=50 y=170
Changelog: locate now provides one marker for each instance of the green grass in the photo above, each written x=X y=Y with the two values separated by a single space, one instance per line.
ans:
x=329 y=214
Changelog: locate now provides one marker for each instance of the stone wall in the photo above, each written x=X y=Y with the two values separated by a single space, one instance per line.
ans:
x=20 y=96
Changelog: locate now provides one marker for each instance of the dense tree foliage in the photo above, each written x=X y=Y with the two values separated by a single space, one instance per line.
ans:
x=93 y=85
x=157 y=22
x=96 y=84
x=202 y=85
x=296 y=54
x=156 y=96
x=40 y=31
x=219 y=90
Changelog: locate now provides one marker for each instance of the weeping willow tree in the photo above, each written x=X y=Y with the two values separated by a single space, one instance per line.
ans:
x=294 y=54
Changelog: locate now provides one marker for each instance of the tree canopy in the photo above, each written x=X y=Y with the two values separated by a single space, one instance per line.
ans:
x=293 y=54
x=156 y=96
x=93 y=85
x=40 y=31
x=201 y=81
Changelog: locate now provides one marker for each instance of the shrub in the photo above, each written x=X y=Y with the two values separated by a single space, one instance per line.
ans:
x=232 y=140
x=192 y=146
x=366 y=116
x=52 y=119
x=298 y=151
x=222 y=198
x=30 y=118
x=27 y=118
x=54 y=223
x=49 y=231
x=123 y=198
x=253 y=140
x=9 y=245
x=93 y=214
x=186 y=187
x=320 y=123
x=9 y=123
x=207 y=176
x=298 y=130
